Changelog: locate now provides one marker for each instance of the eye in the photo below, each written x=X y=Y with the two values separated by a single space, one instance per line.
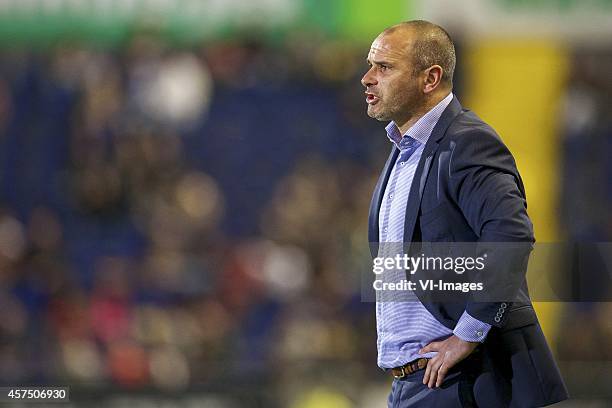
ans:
x=384 y=67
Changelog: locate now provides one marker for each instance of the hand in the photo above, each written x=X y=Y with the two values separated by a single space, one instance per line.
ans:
x=450 y=351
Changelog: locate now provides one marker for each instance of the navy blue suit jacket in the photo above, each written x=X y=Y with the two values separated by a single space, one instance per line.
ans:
x=466 y=188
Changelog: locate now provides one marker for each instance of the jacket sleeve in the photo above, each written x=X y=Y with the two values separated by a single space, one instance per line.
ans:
x=486 y=185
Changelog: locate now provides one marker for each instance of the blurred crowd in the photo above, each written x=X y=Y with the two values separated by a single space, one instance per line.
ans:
x=157 y=231
x=176 y=219
x=586 y=199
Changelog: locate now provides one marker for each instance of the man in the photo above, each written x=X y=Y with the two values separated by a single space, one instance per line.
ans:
x=449 y=177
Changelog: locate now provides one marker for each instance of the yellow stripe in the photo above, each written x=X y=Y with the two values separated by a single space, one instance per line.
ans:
x=516 y=86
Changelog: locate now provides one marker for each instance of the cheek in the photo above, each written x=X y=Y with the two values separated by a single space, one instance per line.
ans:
x=395 y=94
x=406 y=92
x=393 y=87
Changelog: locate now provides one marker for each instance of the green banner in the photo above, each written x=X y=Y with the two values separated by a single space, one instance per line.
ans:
x=111 y=21
x=360 y=20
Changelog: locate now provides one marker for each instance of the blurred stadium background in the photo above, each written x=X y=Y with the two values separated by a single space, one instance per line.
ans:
x=184 y=189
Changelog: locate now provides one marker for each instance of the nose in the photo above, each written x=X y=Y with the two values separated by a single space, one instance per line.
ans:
x=368 y=78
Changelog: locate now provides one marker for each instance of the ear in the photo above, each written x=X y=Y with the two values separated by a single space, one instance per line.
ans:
x=433 y=78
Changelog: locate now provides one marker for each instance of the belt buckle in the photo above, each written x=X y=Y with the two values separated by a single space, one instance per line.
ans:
x=398 y=377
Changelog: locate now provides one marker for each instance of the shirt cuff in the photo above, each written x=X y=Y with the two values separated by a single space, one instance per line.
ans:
x=471 y=329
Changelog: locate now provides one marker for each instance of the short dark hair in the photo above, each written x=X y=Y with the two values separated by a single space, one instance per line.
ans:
x=432 y=46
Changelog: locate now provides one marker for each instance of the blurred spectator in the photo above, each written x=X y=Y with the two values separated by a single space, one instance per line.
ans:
x=132 y=240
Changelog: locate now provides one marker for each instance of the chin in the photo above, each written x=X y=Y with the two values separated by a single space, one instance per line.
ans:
x=380 y=116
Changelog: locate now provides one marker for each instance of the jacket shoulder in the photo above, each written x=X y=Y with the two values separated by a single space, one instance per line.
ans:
x=469 y=138
x=468 y=127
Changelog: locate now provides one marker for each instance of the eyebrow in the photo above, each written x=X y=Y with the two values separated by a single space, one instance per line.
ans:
x=383 y=62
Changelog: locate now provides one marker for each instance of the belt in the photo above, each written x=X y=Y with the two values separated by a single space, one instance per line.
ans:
x=409 y=368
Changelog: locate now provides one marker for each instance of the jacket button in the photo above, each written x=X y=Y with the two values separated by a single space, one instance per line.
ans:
x=497 y=319
x=504 y=305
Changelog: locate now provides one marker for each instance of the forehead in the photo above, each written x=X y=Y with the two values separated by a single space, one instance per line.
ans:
x=390 y=46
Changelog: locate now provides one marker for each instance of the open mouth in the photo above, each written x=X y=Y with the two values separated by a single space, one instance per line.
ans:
x=371 y=99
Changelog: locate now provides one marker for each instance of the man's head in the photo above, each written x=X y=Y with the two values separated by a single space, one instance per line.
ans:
x=411 y=69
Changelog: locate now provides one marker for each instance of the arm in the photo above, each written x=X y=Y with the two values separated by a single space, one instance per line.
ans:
x=486 y=185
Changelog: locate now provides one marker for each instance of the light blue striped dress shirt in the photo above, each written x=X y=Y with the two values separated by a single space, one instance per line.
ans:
x=403 y=324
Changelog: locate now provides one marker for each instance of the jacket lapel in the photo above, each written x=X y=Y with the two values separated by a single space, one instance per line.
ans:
x=422 y=170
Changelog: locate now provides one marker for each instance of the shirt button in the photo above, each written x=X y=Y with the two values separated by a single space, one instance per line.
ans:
x=385 y=229
x=391 y=196
x=402 y=163
x=479 y=333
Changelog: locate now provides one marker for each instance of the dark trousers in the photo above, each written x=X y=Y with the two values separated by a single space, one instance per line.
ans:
x=457 y=390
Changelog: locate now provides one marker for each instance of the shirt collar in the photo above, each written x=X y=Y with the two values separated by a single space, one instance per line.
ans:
x=423 y=127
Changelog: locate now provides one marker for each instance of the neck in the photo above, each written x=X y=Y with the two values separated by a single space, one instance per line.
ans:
x=428 y=105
